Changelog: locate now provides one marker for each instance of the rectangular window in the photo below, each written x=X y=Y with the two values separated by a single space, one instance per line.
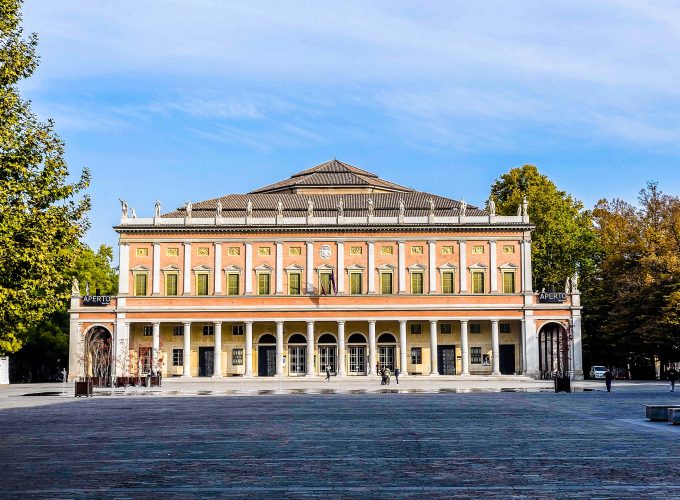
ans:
x=445 y=328
x=142 y=252
x=417 y=250
x=355 y=285
x=140 y=284
x=386 y=283
x=178 y=357
x=475 y=328
x=508 y=282
x=476 y=355
x=237 y=329
x=237 y=357
x=416 y=283
x=202 y=284
x=294 y=280
x=416 y=355
x=148 y=330
x=355 y=250
x=264 y=251
x=447 y=250
x=508 y=249
x=233 y=284
x=171 y=284
x=295 y=251
x=416 y=328
x=505 y=328
x=447 y=282
x=325 y=283
x=178 y=331
x=208 y=330
x=477 y=281
x=263 y=280
x=477 y=249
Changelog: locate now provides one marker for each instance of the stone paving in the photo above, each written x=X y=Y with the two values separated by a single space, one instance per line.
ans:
x=338 y=445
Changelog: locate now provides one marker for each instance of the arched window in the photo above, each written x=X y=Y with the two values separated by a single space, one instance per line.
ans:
x=356 y=338
x=326 y=338
x=267 y=338
x=387 y=338
x=297 y=338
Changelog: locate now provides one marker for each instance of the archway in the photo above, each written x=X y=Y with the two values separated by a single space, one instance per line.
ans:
x=357 y=353
x=266 y=356
x=98 y=355
x=387 y=350
x=328 y=352
x=297 y=355
x=553 y=349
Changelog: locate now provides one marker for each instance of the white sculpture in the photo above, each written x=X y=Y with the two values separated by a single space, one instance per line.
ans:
x=310 y=208
x=402 y=207
x=341 y=208
x=75 y=288
x=574 y=282
x=519 y=210
x=463 y=208
x=87 y=288
x=279 y=208
x=189 y=207
x=370 y=207
x=431 y=202
x=133 y=214
x=492 y=207
x=157 y=209
x=123 y=207
x=219 y=208
x=249 y=209
x=525 y=206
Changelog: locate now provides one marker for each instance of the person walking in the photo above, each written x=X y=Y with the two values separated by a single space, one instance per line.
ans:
x=328 y=373
x=396 y=374
x=672 y=378
x=608 y=376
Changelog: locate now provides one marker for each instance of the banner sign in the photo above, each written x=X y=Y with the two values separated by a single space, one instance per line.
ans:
x=96 y=300
x=552 y=297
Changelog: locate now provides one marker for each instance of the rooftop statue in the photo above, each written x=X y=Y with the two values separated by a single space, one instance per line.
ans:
x=341 y=208
x=519 y=210
x=219 y=208
x=310 y=208
x=123 y=208
x=249 y=208
x=402 y=207
x=133 y=214
x=279 y=208
x=188 y=209
x=463 y=208
x=157 y=209
x=525 y=206
x=492 y=207
x=370 y=207
x=75 y=288
x=431 y=202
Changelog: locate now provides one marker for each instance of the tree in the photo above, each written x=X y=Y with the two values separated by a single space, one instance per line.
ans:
x=563 y=241
x=42 y=216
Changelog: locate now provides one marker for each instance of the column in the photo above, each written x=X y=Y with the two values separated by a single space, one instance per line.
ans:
x=531 y=347
x=218 y=349
x=434 y=370
x=249 y=349
x=186 y=284
x=493 y=272
x=340 y=275
x=402 y=348
x=528 y=286
x=155 y=345
x=156 y=280
x=372 y=359
x=401 y=251
x=462 y=250
x=494 y=347
x=465 y=370
x=309 y=271
x=432 y=265
x=523 y=349
x=310 y=348
x=248 y=272
x=74 y=352
x=577 y=355
x=120 y=349
x=218 y=268
x=370 y=272
x=124 y=268
x=187 y=350
x=279 y=348
x=279 y=267
x=341 y=348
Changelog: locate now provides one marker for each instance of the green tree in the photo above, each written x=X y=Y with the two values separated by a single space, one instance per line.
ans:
x=563 y=240
x=42 y=215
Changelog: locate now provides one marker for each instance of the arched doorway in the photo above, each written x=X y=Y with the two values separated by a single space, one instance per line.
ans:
x=266 y=356
x=98 y=354
x=297 y=354
x=356 y=346
x=553 y=349
x=327 y=353
x=387 y=346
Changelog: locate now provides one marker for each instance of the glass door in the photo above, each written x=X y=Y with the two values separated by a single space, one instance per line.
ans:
x=327 y=359
x=357 y=360
x=387 y=357
x=298 y=364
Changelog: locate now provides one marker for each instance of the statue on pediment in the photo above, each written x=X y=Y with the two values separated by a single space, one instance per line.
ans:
x=123 y=208
x=279 y=208
x=370 y=207
x=402 y=207
x=310 y=208
x=492 y=207
x=341 y=208
x=431 y=203
x=75 y=287
x=463 y=208
x=219 y=208
x=189 y=208
x=519 y=210
x=525 y=206
x=249 y=208
x=133 y=214
x=157 y=208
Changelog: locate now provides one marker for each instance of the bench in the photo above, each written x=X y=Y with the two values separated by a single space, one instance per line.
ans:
x=659 y=413
x=674 y=416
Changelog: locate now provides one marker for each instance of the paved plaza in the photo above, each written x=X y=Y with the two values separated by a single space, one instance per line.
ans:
x=199 y=439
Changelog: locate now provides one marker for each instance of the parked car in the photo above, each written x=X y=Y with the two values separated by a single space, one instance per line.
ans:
x=597 y=371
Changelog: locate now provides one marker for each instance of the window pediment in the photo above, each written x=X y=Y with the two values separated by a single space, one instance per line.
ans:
x=233 y=269
x=447 y=267
x=324 y=267
x=386 y=267
x=478 y=266
x=417 y=268
x=294 y=268
x=509 y=266
x=141 y=269
x=202 y=269
x=263 y=268
x=170 y=269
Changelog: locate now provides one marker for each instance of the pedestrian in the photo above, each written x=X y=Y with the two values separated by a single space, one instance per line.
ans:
x=382 y=377
x=608 y=376
x=328 y=373
x=387 y=376
x=672 y=378
x=396 y=375
x=377 y=368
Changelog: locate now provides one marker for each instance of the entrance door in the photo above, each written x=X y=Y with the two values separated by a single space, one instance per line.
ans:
x=357 y=360
x=266 y=361
x=144 y=360
x=298 y=360
x=446 y=359
x=506 y=359
x=387 y=357
x=326 y=358
x=206 y=361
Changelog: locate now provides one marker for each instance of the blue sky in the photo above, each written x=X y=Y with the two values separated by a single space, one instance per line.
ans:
x=189 y=100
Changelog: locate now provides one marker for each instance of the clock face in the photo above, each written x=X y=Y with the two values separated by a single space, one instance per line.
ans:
x=325 y=252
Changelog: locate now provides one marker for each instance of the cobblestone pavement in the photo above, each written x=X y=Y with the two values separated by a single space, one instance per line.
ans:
x=501 y=444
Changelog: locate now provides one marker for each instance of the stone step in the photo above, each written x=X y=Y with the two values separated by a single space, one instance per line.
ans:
x=659 y=413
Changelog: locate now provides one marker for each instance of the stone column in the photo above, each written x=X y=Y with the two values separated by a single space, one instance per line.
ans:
x=372 y=347
x=155 y=343
x=309 y=271
x=523 y=349
x=186 y=282
x=462 y=250
x=279 y=348
x=279 y=267
x=249 y=349
x=218 y=268
x=124 y=268
x=370 y=272
x=75 y=348
x=401 y=256
x=341 y=349
x=465 y=370
x=218 y=349
x=577 y=355
x=432 y=265
x=434 y=370
x=186 y=369
x=493 y=271
x=531 y=347
x=340 y=275
x=156 y=280
x=529 y=271
x=248 y=272
x=403 y=370
x=494 y=347
x=310 y=348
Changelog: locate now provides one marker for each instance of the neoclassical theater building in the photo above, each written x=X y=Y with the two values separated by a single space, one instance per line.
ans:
x=332 y=268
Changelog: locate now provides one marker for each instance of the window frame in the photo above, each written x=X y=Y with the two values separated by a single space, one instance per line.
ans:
x=475 y=328
x=420 y=275
x=360 y=275
x=321 y=275
x=237 y=356
x=237 y=276
x=389 y=273
x=512 y=273
x=238 y=330
x=175 y=275
x=262 y=274
x=298 y=276
x=475 y=355
x=416 y=328
x=208 y=330
x=416 y=355
x=200 y=275
x=477 y=272
x=449 y=327
x=504 y=327
x=145 y=275
x=176 y=329
x=177 y=356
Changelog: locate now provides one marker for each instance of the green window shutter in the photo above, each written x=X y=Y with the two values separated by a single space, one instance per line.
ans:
x=447 y=282
x=171 y=284
x=508 y=282
x=202 y=284
x=416 y=283
x=263 y=284
x=477 y=282
x=355 y=283
x=294 y=283
x=386 y=283
x=325 y=283
x=140 y=284
x=233 y=284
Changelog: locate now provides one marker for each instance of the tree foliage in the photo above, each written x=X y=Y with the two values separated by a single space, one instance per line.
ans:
x=42 y=215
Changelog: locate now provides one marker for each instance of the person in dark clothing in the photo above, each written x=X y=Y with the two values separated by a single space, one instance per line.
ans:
x=396 y=375
x=382 y=377
x=672 y=378
x=328 y=373
x=608 y=376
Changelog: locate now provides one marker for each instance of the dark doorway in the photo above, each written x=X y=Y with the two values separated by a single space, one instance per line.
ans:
x=266 y=361
x=446 y=359
x=206 y=361
x=506 y=359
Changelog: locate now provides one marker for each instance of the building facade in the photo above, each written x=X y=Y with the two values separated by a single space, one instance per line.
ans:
x=333 y=267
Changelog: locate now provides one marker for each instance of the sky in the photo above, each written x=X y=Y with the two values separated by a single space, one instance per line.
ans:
x=181 y=100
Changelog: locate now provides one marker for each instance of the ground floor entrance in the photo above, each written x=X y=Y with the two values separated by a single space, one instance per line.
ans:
x=387 y=357
x=266 y=361
x=327 y=358
x=298 y=360
x=506 y=359
x=446 y=359
x=206 y=361
x=357 y=360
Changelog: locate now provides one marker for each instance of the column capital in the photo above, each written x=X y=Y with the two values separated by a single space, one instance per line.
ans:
x=155 y=243
x=309 y=243
x=248 y=243
x=156 y=323
x=401 y=242
x=402 y=321
x=372 y=322
x=187 y=323
x=278 y=242
x=187 y=243
x=341 y=322
x=248 y=322
x=217 y=243
x=431 y=242
x=463 y=322
x=310 y=323
x=279 y=322
x=433 y=321
x=217 y=323
x=494 y=321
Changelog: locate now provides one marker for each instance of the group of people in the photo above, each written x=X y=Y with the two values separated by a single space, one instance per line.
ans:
x=671 y=375
x=385 y=374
